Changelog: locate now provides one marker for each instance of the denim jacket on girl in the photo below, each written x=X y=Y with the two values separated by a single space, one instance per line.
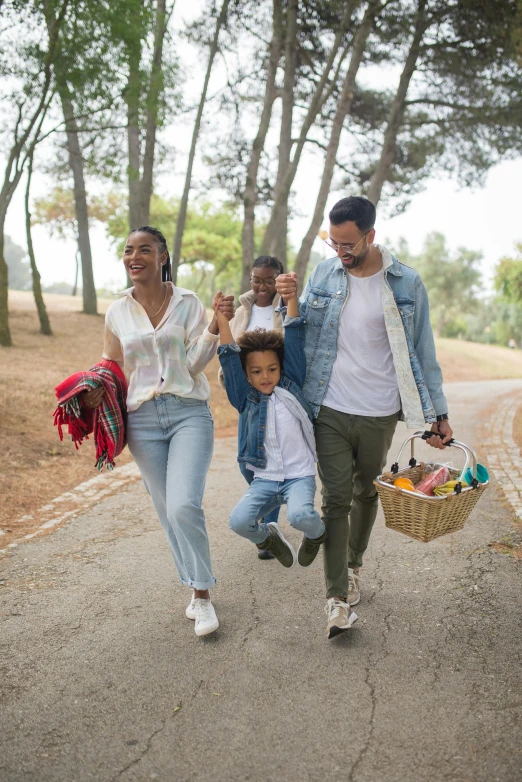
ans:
x=407 y=321
x=253 y=405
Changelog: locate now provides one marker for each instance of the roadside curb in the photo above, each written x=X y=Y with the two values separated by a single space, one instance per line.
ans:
x=72 y=503
x=503 y=453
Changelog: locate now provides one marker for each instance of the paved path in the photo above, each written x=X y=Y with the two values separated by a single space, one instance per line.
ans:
x=102 y=677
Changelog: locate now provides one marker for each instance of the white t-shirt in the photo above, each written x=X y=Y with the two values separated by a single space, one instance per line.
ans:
x=261 y=318
x=363 y=379
x=287 y=448
x=168 y=359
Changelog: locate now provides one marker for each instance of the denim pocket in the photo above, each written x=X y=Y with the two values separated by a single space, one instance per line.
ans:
x=188 y=401
x=317 y=305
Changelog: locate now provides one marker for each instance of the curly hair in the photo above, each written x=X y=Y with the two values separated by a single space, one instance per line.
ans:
x=260 y=341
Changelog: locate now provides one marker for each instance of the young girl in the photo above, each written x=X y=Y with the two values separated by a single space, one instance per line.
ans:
x=159 y=334
x=263 y=377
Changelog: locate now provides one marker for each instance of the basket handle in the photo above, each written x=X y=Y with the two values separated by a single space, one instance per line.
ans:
x=468 y=452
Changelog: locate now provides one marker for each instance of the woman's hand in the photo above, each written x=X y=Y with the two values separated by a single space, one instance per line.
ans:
x=223 y=307
x=93 y=397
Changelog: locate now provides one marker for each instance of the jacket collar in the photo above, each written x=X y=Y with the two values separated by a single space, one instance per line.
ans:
x=389 y=262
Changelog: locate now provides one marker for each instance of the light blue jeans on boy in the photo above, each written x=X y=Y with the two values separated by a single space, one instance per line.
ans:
x=248 y=475
x=171 y=439
x=264 y=496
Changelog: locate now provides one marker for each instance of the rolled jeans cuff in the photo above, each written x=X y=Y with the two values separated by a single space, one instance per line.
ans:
x=199 y=585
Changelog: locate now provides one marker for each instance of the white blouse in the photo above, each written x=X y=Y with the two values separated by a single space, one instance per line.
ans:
x=168 y=359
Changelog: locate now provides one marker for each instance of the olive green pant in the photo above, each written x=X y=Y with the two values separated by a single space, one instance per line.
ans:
x=351 y=452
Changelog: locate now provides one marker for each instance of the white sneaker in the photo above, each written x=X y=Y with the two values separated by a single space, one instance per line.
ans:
x=206 y=619
x=354 y=594
x=190 y=611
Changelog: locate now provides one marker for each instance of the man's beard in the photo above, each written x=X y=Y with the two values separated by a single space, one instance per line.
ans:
x=357 y=260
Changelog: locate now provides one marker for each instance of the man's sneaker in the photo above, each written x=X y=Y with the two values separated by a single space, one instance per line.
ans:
x=340 y=616
x=354 y=594
x=278 y=545
x=190 y=611
x=206 y=619
x=309 y=549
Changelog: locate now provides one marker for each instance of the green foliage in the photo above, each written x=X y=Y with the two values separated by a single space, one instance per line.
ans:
x=451 y=279
x=508 y=277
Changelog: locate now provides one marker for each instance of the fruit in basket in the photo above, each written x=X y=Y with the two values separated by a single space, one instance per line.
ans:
x=404 y=483
x=447 y=488
x=433 y=479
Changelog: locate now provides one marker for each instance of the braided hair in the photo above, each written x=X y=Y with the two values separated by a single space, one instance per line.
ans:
x=166 y=269
x=268 y=261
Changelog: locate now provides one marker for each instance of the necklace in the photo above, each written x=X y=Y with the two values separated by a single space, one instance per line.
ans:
x=260 y=310
x=163 y=304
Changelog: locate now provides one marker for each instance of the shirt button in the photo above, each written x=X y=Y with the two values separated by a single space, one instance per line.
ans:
x=327 y=355
x=338 y=293
x=331 y=323
x=320 y=382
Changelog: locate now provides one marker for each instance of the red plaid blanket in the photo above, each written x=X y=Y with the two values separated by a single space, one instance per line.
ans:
x=108 y=421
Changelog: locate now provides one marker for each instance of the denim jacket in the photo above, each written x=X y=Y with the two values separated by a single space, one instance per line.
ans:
x=253 y=405
x=407 y=321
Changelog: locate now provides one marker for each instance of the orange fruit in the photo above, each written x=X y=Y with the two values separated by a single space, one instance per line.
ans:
x=404 y=483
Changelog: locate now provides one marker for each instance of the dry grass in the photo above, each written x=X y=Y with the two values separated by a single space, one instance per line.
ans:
x=463 y=361
x=36 y=466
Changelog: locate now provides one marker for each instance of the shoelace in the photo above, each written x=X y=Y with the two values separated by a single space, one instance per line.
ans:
x=202 y=608
x=333 y=610
x=352 y=583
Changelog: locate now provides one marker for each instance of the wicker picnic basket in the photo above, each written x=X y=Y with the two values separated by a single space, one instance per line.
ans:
x=421 y=517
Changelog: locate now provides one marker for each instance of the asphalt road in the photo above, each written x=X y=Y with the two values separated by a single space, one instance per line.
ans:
x=102 y=677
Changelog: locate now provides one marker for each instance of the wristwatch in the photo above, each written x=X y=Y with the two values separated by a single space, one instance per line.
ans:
x=443 y=417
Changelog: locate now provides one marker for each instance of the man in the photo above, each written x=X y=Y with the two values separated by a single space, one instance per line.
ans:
x=370 y=361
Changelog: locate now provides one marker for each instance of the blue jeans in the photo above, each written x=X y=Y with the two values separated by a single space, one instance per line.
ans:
x=171 y=439
x=248 y=475
x=264 y=496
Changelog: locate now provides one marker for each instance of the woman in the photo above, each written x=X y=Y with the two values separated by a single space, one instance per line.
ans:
x=258 y=310
x=159 y=334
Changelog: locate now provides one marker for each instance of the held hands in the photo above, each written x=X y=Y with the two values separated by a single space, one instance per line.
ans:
x=443 y=428
x=224 y=311
x=286 y=286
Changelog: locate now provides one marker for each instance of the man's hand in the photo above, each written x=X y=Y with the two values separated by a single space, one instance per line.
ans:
x=93 y=397
x=286 y=285
x=443 y=428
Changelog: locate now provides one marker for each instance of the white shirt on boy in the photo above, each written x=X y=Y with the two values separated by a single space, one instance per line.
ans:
x=288 y=447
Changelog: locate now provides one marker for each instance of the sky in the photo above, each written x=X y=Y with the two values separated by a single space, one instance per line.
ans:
x=486 y=219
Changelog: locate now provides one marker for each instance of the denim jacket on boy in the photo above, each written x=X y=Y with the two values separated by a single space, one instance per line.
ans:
x=407 y=321
x=253 y=405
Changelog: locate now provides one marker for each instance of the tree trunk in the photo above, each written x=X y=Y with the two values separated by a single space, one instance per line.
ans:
x=132 y=96
x=5 y=332
x=343 y=109
x=388 y=152
x=182 y=216
x=45 y=326
x=278 y=244
x=90 y=304
x=316 y=103
x=154 y=93
x=250 y=191
x=15 y=166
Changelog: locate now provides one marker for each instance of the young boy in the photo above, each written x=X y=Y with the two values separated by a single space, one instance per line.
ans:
x=263 y=376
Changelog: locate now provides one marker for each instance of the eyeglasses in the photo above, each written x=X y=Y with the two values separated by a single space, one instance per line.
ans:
x=348 y=248
x=268 y=283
